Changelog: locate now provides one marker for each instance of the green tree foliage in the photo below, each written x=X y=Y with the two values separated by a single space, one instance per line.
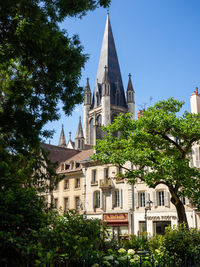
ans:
x=159 y=146
x=69 y=238
x=40 y=66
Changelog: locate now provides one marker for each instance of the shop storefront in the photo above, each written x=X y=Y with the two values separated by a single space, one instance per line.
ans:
x=159 y=227
x=159 y=223
x=117 y=224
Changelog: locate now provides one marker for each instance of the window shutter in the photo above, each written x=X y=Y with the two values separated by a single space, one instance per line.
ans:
x=136 y=204
x=197 y=156
x=111 y=198
x=101 y=199
x=92 y=200
x=146 y=198
x=186 y=201
x=155 y=198
x=121 y=198
x=166 y=198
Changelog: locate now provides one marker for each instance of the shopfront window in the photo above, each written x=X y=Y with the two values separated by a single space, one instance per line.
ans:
x=159 y=227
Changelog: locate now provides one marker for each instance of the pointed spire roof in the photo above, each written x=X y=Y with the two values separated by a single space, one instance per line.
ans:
x=62 y=141
x=79 y=133
x=105 y=76
x=130 y=85
x=109 y=57
x=87 y=87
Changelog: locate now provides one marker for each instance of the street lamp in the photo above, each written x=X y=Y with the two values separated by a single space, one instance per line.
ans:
x=149 y=202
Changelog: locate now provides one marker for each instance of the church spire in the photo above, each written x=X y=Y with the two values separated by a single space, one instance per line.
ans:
x=130 y=97
x=79 y=133
x=62 y=141
x=79 y=139
x=130 y=85
x=87 y=93
x=108 y=56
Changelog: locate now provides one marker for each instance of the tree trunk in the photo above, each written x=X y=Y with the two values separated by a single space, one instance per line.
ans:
x=182 y=218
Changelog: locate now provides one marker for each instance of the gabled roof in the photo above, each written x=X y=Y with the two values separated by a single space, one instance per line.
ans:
x=59 y=154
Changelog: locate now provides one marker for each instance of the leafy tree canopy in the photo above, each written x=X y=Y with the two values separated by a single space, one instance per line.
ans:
x=159 y=146
x=40 y=65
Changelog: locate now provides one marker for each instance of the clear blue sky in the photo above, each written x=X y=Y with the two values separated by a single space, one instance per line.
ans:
x=157 y=41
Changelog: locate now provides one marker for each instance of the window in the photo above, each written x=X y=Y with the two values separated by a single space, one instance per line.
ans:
x=96 y=199
x=99 y=120
x=184 y=200
x=66 y=204
x=117 y=198
x=77 y=203
x=140 y=199
x=77 y=183
x=79 y=143
x=67 y=166
x=142 y=202
x=161 y=198
x=94 y=177
x=66 y=184
x=106 y=173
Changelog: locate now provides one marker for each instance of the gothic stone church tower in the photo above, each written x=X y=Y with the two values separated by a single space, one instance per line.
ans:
x=108 y=99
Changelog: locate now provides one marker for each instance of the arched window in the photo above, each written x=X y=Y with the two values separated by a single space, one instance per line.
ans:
x=99 y=120
x=96 y=200
x=91 y=132
x=97 y=98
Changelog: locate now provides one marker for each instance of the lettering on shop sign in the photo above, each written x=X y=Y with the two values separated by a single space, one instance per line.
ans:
x=115 y=217
x=161 y=218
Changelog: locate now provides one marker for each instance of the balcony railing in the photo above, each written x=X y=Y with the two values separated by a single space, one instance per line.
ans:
x=106 y=184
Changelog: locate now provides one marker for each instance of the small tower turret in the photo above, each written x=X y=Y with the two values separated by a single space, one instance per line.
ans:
x=195 y=101
x=87 y=106
x=62 y=140
x=105 y=98
x=130 y=97
x=79 y=139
